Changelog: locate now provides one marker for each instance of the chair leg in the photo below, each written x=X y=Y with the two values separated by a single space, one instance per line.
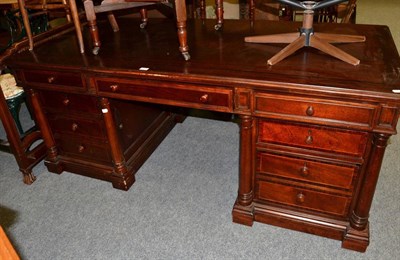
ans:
x=92 y=24
x=113 y=22
x=219 y=11
x=333 y=51
x=77 y=24
x=144 y=18
x=25 y=19
x=288 y=50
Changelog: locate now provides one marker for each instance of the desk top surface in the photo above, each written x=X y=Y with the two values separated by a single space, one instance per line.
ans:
x=225 y=57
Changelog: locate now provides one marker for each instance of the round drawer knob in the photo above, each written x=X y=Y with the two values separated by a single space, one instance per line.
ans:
x=81 y=148
x=310 y=111
x=309 y=139
x=204 y=98
x=66 y=101
x=51 y=79
x=305 y=171
x=74 y=127
x=300 y=198
x=114 y=87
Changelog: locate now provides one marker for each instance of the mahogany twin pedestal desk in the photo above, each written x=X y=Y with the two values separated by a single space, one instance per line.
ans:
x=313 y=129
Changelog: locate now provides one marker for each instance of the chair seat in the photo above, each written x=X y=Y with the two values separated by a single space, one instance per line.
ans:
x=9 y=87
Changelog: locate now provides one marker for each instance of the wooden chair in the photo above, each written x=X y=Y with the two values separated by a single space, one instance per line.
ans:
x=307 y=36
x=45 y=6
x=112 y=5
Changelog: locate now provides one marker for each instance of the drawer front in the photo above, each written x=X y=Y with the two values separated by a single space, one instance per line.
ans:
x=77 y=126
x=303 y=198
x=327 y=139
x=295 y=108
x=54 y=78
x=81 y=148
x=158 y=92
x=305 y=170
x=66 y=103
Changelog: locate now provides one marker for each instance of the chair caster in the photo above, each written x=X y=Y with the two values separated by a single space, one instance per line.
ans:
x=186 y=55
x=218 y=26
x=143 y=25
x=96 y=50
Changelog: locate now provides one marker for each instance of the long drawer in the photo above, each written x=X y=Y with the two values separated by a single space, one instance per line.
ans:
x=54 y=78
x=303 y=198
x=67 y=103
x=319 y=173
x=320 y=138
x=218 y=99
x=320 y=111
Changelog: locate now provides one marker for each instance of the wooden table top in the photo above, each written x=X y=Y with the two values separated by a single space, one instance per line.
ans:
x=225 y=57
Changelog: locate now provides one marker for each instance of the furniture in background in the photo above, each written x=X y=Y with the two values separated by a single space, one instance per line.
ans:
x=7 y=251
x=307 y=37
x=46 y=6
x=312 y=140
x=112 y=5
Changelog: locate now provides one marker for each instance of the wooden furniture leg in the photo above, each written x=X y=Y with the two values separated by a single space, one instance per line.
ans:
x=243 y=209
x=21 y=146
x=181 y=17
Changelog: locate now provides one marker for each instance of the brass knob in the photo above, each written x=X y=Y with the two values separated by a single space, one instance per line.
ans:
x=300 y=198
x=51 y=79
x=114 y=87
x=74 y=127
x=310 y=111
x=66 y=101
x=309 y=139
x=81 y=148
x=204 y=98
x=305 y=171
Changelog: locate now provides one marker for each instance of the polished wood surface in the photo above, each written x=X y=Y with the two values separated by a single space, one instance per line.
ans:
x=327 y=120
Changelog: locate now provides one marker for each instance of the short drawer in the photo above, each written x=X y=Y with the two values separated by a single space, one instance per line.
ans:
x=54 y=78
x=321 y=138
x=65 y=103
x=303 y=198
x=77 y=126
x=174 y=94
x=83 y=148
x=307 y=109
x=305 y=170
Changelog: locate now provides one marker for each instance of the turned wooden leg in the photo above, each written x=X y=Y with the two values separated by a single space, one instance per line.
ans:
x=357 y=236
x=180 y=8
x=219 y=11
x=122 y=178
x=144 y=18
x=91 y=18
x=243 y=209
